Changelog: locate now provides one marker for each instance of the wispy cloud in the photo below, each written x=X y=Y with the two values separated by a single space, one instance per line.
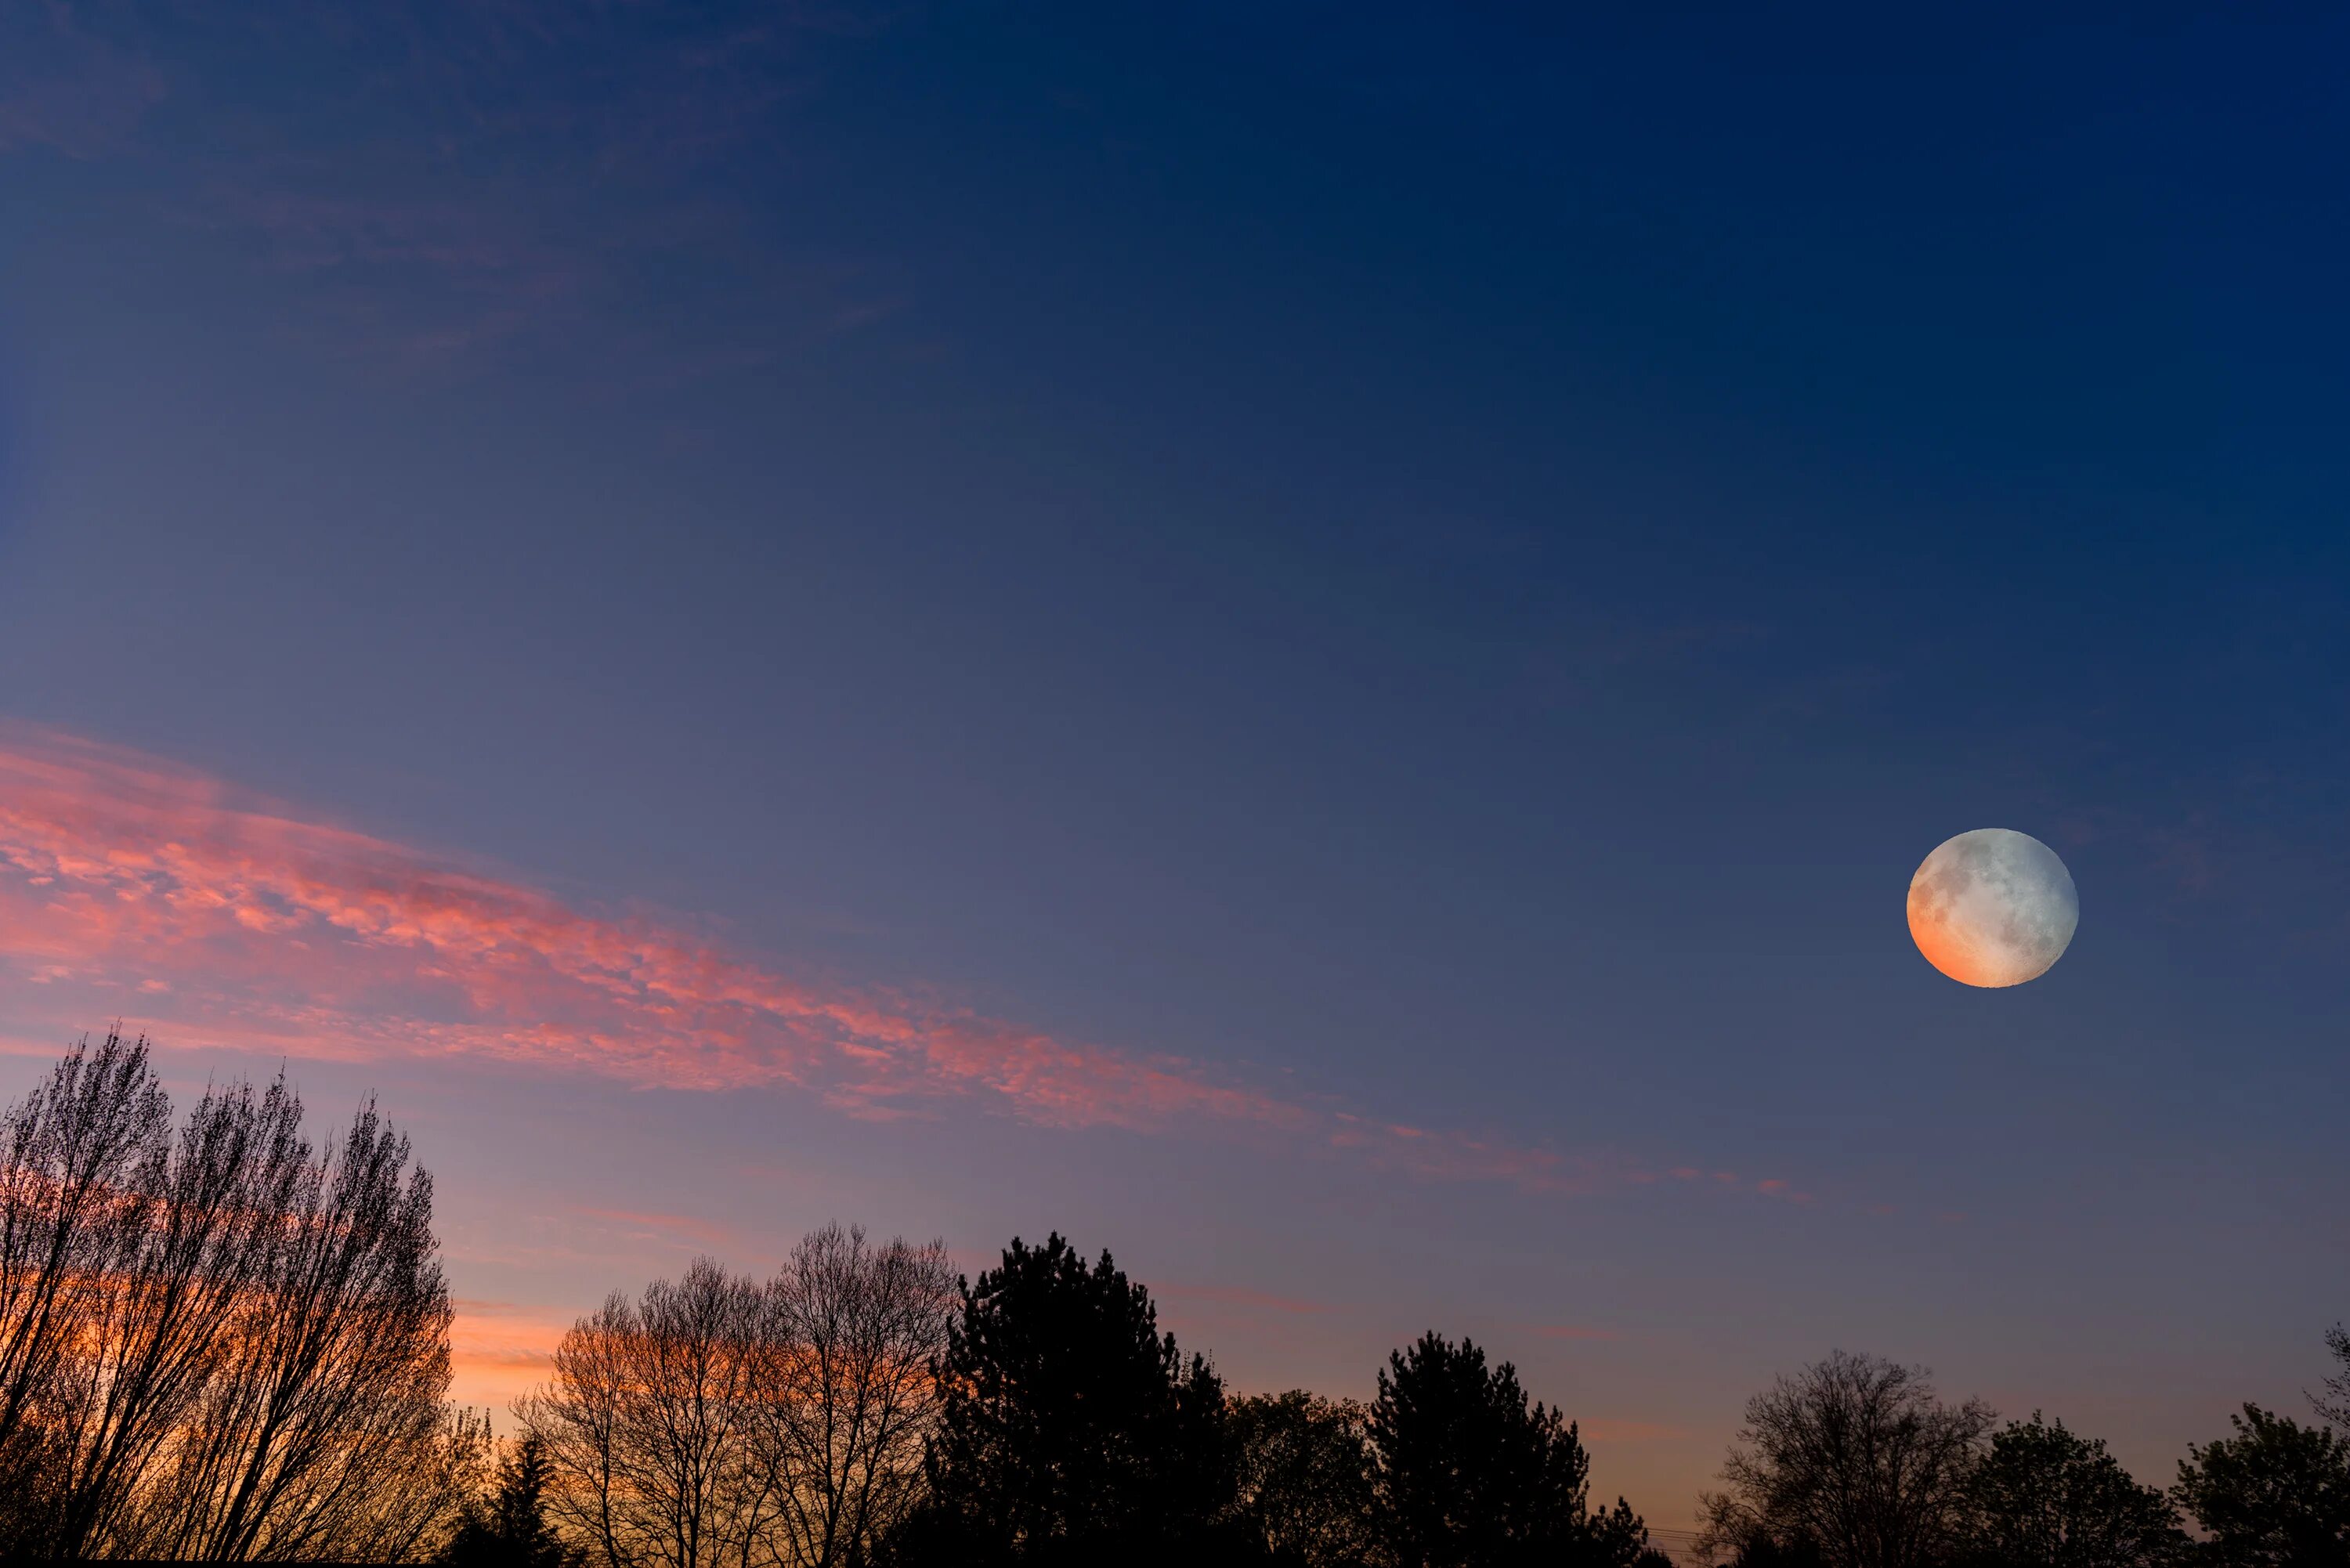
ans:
x=221 y=920
x=498 y=1349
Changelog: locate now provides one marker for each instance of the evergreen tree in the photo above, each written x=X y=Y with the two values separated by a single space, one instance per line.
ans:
x=1471 y=1475
x=1070 y=1429
x=509 y=1529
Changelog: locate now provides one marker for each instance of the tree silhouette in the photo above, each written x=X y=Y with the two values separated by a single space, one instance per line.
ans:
x=216 y=1341
x=77 y=1158
x=1305 y=1489
x=510 y=1529
x=720 y=1421
x=2045 y=1498
x=1858 y=1455
x=1070 y=1430
x=844 y=1392
x=1762 y=1550
x=2333 y=1405
x=645 y=1423
x=2275 y=1495
x=1471 y=1476
x=325 y=1430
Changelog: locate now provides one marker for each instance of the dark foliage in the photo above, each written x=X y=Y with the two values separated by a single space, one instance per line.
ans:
x=1857 y=1454
x=1070 y=1430
x=1306 y=1493
x=221 y=1342
x=2045 y=1498
x=1471 y=1475
x=1763 y=1550
x=509 y=1528
x=2275 y=1495
x=2333 y=1404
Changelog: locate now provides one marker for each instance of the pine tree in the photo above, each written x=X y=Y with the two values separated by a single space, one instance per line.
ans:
x=509 y=1529
x=1071 y=1431
x=1471 y=1475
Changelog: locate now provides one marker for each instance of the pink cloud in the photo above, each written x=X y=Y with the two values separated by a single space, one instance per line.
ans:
x=217 y=919
x=295 y=934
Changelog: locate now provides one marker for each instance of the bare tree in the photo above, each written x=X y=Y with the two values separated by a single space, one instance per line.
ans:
x=322 y=1429
x=844 y=1394
x=1855 y=1455
x=76 y=1156
x=576 y=1420
x=212 y=1345
x=644 y=1424
x=335 y=1370
x=153 y=1333
x=716 y=1422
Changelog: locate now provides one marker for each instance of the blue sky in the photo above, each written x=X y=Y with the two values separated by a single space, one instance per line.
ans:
x=1440 y=569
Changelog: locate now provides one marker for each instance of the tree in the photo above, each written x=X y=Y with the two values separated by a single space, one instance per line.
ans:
x=844 y=1396
x=2275 y=1495
x=1764 y=1551
x=209 y=1206
x=212 y=1343
x=1304 y=1488
x=1856 y=1455
x=1469 y=1475
x=2334 y=1405
x=1070 y=1430
x=323 y=1431
x=2043 y=1497
x=719 y=1420
x=77 y=1158
x=644 y=1424
x=510 y=1529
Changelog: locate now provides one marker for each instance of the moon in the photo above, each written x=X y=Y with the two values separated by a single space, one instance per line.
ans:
x=1993 y=908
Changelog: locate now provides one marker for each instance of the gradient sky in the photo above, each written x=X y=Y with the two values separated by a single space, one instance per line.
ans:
x=1316 y=644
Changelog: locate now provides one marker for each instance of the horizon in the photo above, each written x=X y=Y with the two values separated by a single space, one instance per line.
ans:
x=1314 y=648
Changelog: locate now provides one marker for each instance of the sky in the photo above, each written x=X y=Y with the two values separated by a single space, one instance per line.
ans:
x=1311 y=643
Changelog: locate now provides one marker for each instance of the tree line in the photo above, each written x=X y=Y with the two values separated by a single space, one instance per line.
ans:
x=221 y=1342
x=865 y=1407
x=1857 y=1462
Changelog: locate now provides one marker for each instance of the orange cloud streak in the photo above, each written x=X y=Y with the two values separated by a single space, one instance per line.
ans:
x=498 y=1350
x=232 y=922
